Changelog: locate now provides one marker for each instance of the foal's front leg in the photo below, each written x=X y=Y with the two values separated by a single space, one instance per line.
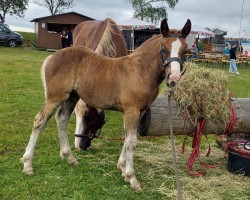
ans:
x=131 y=118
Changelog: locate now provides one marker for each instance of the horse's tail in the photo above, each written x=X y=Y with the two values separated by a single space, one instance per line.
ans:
x=43 y=68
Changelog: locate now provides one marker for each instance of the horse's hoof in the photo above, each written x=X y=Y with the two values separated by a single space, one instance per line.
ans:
x=28 y=172
x=126 y=179
x=137 y=188
x=74 y=162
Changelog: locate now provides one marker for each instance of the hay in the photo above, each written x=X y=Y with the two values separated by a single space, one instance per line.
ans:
x=203 y=93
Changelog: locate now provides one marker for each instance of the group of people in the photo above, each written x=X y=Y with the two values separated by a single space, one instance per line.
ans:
x=66 y=38
x=231 y=52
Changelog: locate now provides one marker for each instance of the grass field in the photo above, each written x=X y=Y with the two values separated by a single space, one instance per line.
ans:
x=96 y=177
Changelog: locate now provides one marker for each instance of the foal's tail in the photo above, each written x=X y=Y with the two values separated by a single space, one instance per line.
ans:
x=43 y=74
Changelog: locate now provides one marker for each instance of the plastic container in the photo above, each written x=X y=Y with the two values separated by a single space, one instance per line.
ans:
x=239 y=157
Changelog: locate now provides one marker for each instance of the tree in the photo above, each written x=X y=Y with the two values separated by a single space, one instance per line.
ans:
x=13 y=8
x=151 y=10
x=55 y=6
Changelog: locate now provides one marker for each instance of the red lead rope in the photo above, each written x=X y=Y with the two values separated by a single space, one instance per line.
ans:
x=196 y=141
x=196 y=148
x=232 y=119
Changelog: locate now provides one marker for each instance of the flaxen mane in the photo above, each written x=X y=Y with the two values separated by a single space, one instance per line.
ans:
x=106 y=46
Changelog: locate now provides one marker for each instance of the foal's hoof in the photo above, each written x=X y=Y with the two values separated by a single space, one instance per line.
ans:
x=137 y=188
x=74 y=162
x=28 y=172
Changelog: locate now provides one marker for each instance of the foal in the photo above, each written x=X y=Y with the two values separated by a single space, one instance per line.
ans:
x=127 y=84
x=105 y=38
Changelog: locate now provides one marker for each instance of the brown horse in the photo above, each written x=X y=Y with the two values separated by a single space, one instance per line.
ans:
x=127 y=84
x=104 y=37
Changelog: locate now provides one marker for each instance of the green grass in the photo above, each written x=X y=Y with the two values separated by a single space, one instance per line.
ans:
x=96 y=177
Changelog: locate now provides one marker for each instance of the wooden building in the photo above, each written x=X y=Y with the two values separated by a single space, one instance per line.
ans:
x=48 y=29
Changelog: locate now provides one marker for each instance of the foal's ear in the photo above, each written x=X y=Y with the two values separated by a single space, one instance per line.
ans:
x=186 y=29
x=164 y=27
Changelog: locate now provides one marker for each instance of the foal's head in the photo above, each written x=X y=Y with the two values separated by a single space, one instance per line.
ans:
x=172 y=51
x=93 y=121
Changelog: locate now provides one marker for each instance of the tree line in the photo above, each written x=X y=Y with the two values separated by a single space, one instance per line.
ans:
x=149 y=10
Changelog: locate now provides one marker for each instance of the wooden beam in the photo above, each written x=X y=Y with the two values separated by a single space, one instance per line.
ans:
x=155 y=120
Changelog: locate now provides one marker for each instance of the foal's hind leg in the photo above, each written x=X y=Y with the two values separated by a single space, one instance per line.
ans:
x=62 y=118
x=40 y=122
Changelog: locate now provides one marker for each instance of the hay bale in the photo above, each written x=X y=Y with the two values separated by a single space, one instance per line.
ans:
x=203 y=93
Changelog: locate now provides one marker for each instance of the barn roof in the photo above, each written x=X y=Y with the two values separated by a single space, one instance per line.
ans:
x=51 y=16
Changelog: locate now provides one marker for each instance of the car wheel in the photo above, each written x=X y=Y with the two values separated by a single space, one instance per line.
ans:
x=12 y=43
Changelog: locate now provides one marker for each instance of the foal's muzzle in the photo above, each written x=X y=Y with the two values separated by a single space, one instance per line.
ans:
x=173 y=78
x=171 y=83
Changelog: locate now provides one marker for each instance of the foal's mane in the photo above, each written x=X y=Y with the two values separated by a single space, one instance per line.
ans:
x=105 y=46
x=155 y=40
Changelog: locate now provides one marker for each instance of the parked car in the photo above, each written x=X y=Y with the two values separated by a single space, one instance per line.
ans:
x=9 y=37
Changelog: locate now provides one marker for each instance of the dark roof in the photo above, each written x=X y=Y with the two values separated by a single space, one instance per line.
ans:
x=73 y=13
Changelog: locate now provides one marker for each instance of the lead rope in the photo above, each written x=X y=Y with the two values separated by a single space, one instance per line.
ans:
x=170 y=92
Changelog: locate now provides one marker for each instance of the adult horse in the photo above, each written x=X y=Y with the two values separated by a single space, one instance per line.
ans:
x=104 y=37
x=127 y=84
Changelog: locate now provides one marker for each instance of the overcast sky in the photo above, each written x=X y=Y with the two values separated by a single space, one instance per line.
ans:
x=221 y=14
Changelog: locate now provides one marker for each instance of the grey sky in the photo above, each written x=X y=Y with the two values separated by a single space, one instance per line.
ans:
x=222 y=14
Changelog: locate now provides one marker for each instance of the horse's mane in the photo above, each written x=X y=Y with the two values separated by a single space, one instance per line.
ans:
x=149 y=42
x=106 y=47
x=156 y=39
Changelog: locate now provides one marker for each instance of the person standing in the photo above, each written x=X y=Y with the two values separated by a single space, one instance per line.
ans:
x=70 y=38
x=233 y=67
x=64 y=39
x=241 y=49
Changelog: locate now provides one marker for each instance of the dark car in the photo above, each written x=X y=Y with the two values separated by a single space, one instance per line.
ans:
x=9 y=37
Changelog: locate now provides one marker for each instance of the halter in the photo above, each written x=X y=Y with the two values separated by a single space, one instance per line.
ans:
x=90 y=135
x=170 y=59
x=93 y=132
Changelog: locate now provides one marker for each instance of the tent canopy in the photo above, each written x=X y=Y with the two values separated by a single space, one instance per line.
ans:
x=135 y=24
x=197 y=30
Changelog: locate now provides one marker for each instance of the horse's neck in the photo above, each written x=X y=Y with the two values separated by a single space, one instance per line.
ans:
x=148 y=58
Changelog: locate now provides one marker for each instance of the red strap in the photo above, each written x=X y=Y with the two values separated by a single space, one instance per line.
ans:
x=232 y=119
x=196 y=141
x=196 y=148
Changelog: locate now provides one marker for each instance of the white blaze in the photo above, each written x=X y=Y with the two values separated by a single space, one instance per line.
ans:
x=175 y=66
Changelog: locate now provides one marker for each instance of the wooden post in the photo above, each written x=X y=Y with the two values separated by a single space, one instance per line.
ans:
x=155 y=120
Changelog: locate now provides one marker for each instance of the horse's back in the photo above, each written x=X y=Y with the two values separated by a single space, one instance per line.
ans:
x=93 y=33
x=88 y=33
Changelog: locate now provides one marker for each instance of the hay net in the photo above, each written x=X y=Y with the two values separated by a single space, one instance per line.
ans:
x=203 y=93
